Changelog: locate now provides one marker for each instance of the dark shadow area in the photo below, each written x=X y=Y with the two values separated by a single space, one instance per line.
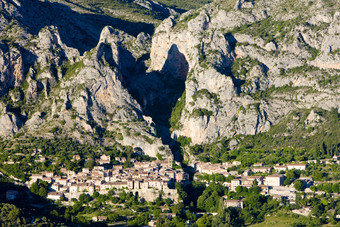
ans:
x=232 y=41
x=81 y=31
x=21 y=207
x=158 y=92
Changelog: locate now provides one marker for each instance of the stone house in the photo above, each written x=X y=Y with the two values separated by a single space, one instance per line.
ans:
x=181 y=176
x=274 y=180
x=232 y=203
x=296 y=166
x=280 y=168
x=262 y=169
x=55 y=195
x=258 y=164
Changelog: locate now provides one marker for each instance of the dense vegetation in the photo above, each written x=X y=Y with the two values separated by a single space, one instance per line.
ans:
x=25 y=153
x=322 y=139
x=284 y=142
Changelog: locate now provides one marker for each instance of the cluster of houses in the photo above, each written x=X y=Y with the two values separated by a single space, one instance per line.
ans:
x=272 y=184
x=147 y=179
x=150 y=179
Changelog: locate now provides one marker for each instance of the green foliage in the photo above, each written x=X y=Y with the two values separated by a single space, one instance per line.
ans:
x=213 y=177
x=10 y=215
x=330 y=81
x=213 y=152
x=201 y=112
x=177 y=112
x=39 y=188
x=71 y=69
x=302 y=69
x=206 y=93
x=314 y=53
x=54 y=129
x=139 y=220
x=229 y=217
x=324 y=142
x=148 y=139
x=241 y=66
x=114 y=217
x=184 y=141
x=329 y=187
x=89 y=164
x=269 y=29
x=298 y=185
x=209 y=200
x=159 y=156
x=268 y=93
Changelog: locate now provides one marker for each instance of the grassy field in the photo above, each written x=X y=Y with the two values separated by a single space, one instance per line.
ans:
x=277 y=221
x=282 y=219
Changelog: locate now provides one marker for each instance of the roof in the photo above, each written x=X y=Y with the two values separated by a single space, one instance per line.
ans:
x=233 y=200
x=296 y=164
x=275 y=175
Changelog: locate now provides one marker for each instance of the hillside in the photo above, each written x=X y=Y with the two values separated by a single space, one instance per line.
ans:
x=155 y=77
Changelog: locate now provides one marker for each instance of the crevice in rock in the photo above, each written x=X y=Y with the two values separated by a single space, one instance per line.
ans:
x=157 y=92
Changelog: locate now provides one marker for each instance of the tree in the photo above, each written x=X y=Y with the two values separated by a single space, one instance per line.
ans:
x=205 y=220
x=89 y=164
x=313 y=188
x=95 y=194
x=35 y=188
x=286 y=181
x=240 y=189
x=113 y=217
x=42 y=192
x=83 y=198
x=178 y=208
x=298 y=185
x=335 y=188
x=292 y=174
x=255 y=190
x=318 y=210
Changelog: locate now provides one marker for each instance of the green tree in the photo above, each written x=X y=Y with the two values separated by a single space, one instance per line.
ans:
x=113 y=217
x=298 y=185
x=90 y=164
x=318 y=210
x=178 y=208
x=335 y=188
x=42 y=192
x=286 y=181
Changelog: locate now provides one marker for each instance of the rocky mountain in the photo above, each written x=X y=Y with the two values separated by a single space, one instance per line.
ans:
x=228 y=69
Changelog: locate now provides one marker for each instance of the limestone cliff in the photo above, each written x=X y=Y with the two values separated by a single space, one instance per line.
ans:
x=229 y=68
x=249 y=65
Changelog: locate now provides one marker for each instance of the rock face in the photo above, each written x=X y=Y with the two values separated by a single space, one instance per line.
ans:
x=11 y=68
x=229 y=68
x=156 y=6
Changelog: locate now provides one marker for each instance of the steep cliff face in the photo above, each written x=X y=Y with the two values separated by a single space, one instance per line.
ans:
x=229 y=68
x=51 y=89
x=250 y=65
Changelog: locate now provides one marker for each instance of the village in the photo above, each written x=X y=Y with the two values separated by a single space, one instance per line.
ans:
x=149 y=180
x=269 y=178
x=145 y=179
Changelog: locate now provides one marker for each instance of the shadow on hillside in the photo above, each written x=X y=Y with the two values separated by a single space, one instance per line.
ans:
x=81 y=31
x=34 y=209
x=157 y=92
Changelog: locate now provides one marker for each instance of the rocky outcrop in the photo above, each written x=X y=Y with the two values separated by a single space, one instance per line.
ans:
x=158 y=7
x=233 y=69
x=11 y=68
x=227 y=70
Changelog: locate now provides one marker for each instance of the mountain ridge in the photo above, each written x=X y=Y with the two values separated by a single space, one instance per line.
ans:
x=234 y=68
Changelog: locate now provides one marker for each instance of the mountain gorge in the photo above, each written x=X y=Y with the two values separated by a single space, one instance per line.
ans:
x=225 y=70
